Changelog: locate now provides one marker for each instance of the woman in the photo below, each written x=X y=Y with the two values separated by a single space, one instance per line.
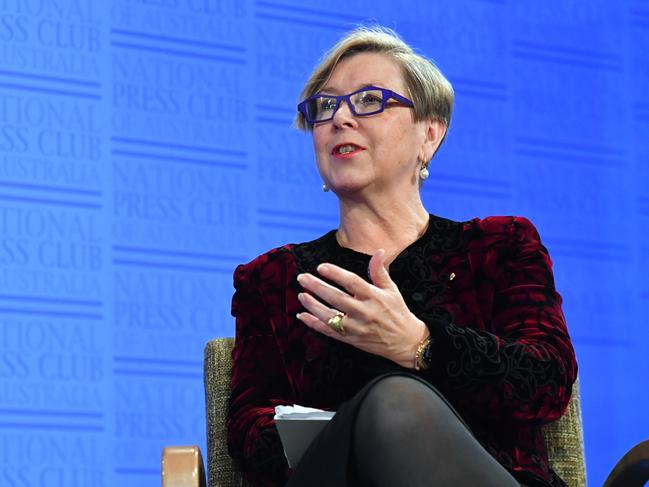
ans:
x=441 y=345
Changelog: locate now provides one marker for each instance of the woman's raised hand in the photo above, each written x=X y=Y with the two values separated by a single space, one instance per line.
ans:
x=376 y=319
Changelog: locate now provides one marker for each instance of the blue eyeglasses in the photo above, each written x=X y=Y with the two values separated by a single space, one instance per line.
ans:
x=369 y=100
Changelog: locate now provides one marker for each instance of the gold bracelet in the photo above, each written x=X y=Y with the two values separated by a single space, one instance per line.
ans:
x=419 y=363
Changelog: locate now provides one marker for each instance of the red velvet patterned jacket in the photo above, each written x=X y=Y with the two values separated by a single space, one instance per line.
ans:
x=502 y=354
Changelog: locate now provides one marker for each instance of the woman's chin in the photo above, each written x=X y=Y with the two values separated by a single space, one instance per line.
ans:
x=348 y=186
x=356 y=191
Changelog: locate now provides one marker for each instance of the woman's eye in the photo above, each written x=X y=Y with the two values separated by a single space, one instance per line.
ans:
x=326 y=104
x=369 y=99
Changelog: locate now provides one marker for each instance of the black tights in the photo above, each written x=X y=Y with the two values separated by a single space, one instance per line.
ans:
x=404 y=435
x=407 y=435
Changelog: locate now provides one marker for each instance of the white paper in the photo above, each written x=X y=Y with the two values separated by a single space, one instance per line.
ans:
x=300 y=412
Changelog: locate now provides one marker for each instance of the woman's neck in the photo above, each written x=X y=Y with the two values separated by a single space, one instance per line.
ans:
x=367 y=228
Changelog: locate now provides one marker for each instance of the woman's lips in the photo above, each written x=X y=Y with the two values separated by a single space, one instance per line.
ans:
x=346 y=155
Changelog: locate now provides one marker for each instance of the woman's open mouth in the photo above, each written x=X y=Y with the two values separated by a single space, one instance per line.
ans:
x=344 y=151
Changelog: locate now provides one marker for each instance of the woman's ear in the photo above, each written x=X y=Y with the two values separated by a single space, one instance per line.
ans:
x=435 y=133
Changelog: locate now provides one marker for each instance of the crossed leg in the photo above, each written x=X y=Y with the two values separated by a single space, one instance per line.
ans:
x=407 y=434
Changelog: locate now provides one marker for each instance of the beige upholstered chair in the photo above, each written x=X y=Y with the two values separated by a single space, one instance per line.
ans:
x=183 y=466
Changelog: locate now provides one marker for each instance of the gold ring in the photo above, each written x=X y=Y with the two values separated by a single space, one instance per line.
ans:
x=336 y=323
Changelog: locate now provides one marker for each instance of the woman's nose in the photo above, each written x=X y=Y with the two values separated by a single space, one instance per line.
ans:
x=344 y=114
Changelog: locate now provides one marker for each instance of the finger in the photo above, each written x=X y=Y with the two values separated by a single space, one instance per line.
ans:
x=379 y=272
x=316 y=308
x=351 y=282
x=326 y=292
x=316 y=324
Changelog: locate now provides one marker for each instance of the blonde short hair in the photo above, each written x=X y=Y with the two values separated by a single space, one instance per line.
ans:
x=430 y=92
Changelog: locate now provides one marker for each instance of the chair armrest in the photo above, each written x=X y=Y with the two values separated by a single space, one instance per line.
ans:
x=182 y=466
x=633 y=468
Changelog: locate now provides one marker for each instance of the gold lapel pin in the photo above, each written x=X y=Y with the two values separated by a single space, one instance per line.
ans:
x=452 y=276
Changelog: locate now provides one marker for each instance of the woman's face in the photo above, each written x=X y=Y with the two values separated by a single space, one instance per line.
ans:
x=387 y=146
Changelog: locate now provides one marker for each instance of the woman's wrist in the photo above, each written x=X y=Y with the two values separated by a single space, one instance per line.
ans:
x=422 y=355
x=408 y=355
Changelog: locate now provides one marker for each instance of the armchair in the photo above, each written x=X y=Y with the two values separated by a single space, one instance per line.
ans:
x=183 y=466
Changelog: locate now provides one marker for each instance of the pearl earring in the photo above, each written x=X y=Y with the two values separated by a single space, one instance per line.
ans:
x=325 y=188
x=423 y=172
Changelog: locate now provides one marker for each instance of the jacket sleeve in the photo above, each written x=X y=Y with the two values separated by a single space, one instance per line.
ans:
x=522 y=367
x=258 y=384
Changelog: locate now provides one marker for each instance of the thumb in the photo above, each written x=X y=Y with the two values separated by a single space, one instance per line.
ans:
x=378 y=271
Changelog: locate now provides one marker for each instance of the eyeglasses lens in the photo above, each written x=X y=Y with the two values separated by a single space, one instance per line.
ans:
x=367 y=102
x=321 y=108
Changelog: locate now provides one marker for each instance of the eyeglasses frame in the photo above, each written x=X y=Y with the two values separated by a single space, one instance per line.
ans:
x=387 y=95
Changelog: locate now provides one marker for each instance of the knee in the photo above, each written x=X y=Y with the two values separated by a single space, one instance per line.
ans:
x=402 y=392
x=397 y=406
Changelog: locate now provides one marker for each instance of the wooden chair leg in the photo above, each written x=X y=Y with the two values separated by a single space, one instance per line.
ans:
x=633 y=468
x=182 y=466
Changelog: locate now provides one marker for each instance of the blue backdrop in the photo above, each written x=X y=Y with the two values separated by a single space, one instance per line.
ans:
x=146 y=148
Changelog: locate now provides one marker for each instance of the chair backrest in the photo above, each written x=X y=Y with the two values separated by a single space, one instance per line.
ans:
x=221 y=470
x=564 y=438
